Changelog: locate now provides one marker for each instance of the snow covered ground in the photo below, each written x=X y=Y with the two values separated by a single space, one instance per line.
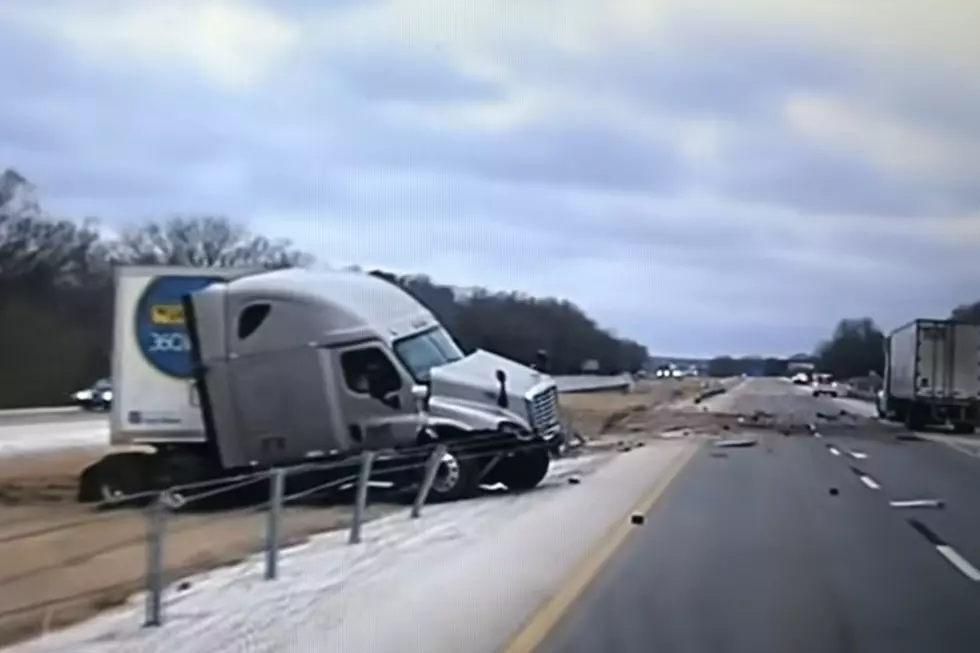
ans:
x=18 y=437
x=464 y=577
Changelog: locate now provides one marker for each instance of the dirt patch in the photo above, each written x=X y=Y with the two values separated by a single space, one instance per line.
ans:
x=61 y=562
x=598 y=413
x=44 y=478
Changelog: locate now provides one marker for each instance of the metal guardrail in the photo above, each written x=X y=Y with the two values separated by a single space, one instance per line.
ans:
x=159 y=506
x=586 y=383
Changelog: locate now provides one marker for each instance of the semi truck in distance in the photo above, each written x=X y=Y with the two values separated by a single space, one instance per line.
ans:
x=932 y=375
x=217 y=372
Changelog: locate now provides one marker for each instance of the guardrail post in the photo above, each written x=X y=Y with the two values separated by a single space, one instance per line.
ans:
x=360 y=502
x=431 y=467
x=277 y=484
x=156 y=526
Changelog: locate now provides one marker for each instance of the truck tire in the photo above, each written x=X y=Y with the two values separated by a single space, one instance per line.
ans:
x=456 y=478
x=189 y=471
x=913 y=418
x=525 y=470
x=116 y=475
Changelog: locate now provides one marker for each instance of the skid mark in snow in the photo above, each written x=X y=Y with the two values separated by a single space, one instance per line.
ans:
x=464 y=572
x=18 y=439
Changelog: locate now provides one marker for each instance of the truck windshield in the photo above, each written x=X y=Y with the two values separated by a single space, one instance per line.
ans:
x=425 y=350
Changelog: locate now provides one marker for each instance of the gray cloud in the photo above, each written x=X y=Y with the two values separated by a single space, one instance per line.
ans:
x=577 y=203
x=377 y=76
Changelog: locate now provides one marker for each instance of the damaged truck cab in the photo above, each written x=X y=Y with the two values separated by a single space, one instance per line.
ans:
x=278 y=368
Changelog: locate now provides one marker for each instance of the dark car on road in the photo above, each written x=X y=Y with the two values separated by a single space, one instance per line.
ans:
x=96 y=397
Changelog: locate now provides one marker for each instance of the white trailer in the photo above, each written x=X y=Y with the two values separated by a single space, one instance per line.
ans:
x=932 y=375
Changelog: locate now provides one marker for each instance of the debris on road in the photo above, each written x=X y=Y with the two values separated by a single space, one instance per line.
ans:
x=736 y=442
x=918 y=503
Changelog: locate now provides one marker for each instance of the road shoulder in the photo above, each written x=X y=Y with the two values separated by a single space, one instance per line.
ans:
x=464 y=577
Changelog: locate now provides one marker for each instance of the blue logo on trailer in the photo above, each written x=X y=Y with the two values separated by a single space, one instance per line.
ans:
x=161 y=331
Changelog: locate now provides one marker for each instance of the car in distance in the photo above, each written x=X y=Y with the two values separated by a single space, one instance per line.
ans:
x=96 y=397
x=823 y=384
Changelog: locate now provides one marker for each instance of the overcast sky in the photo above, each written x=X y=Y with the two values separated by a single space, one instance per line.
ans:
x=704 y=176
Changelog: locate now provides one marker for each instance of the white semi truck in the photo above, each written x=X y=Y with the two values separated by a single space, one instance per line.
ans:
x=932 y=375
x=218 y=371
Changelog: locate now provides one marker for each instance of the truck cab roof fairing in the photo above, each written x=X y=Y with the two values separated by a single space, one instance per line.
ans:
x=350 y=304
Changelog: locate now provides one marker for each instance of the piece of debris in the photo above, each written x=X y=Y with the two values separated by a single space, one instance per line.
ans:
x=740 y=442
x=183 y=586
x=574 y=480
x=918 y=503
x=637 y=518
x=726 y=427
x=719 y=454
x=834 y=492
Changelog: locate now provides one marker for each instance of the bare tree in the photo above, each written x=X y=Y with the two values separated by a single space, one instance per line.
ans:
x=203 y=241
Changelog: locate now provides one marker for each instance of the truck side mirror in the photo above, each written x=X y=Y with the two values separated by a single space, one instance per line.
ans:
x=502 y=393
x=420 y=393
x=542 y=361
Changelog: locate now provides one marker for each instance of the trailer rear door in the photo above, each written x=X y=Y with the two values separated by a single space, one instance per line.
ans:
x=948 y=361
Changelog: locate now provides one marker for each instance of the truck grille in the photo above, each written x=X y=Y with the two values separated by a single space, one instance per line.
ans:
x=543 y=412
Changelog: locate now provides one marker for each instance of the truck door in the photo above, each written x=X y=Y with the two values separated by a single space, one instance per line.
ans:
x=370 y=422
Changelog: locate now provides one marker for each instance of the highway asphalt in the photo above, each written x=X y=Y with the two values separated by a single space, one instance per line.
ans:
x=793 y=546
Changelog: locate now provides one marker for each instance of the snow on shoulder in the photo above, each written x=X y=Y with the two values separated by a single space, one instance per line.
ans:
x=464 y=577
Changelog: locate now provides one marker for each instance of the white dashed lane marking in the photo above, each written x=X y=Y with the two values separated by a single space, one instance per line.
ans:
x=870 y=482
x=945 y=550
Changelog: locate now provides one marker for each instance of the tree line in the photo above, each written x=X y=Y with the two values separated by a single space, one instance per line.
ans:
x=56 y=297
x=855 y=350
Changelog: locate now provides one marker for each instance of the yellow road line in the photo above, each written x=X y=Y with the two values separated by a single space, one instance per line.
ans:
x=544 y=620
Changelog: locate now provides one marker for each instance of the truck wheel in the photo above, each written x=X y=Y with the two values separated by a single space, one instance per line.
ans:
x=456 y=478
x=186 y=470
x=913 y=419
x=116 y=476
x=525 y=470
